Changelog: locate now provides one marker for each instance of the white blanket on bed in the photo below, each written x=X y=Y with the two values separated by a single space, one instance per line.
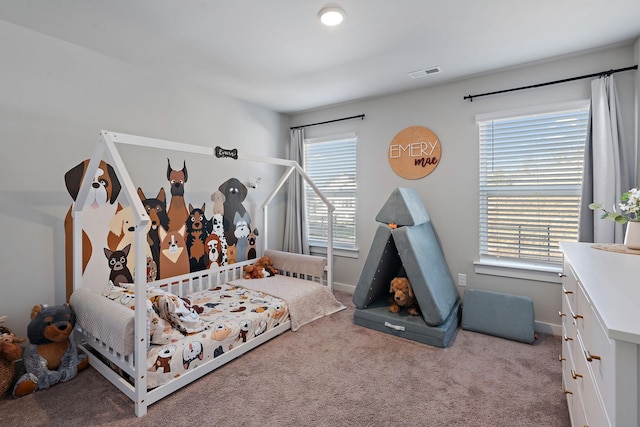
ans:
x=307 y=300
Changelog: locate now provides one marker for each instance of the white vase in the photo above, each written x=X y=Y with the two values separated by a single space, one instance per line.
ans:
x=632 y=235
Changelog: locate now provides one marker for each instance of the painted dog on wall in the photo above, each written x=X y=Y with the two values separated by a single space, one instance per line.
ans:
x=214 y=248
x=97 y=212
x=178 y=212
x=174 y=259
x=157 y=210
x=122 y=225
x=197 y=232
x=117 y=262
x=241 y=232
x=234 y=193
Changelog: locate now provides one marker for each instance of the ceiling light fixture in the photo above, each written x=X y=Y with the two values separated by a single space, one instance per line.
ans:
x=331 y=15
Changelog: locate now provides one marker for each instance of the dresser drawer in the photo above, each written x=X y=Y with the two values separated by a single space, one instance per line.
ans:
x=571 y=391
x=597 y=351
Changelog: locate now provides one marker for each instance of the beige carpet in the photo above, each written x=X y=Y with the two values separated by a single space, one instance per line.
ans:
x=334 y=373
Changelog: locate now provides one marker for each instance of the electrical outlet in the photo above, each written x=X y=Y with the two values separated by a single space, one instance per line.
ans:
x=462 y=279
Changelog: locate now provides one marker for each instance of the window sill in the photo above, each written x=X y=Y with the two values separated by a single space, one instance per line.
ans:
x=339 y=252
x=519 y=270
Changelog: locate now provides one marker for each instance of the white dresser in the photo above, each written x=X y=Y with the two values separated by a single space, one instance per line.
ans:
x=601 y=336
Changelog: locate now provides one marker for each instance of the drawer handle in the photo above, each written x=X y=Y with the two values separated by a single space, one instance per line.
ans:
x=560 y=358
x=562 y=275
x=575 y=375
x=578 y=316
x=566 y=338
x=567 y=292
x=561 y=314
x=568 y=392
x=590 y=357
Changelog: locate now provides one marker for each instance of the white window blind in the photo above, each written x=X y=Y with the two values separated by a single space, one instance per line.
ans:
x=530 y=179
x=330 y=162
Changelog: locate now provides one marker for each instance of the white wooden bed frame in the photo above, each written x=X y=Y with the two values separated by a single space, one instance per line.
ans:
x=134 y=364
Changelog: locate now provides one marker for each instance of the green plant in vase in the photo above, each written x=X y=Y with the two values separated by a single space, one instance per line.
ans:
x=629 y=208
x=628 y=213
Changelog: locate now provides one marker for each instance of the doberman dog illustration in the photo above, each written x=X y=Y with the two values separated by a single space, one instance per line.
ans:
x=177 y=211
x=157 y=210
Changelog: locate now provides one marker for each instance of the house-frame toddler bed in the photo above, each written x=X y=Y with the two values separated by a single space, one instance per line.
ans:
x=149 y=350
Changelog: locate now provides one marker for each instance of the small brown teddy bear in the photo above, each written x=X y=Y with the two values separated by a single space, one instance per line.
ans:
x=403 y=296
x=263 y=267
x=10 y=351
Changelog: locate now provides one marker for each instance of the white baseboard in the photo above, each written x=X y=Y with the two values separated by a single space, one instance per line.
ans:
x=548 y=328
x=342 y=287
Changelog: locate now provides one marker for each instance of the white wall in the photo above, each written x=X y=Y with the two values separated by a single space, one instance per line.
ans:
x=450 y=193
x=54 y=99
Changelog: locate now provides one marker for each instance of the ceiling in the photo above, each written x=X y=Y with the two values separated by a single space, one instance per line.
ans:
x=276 y=53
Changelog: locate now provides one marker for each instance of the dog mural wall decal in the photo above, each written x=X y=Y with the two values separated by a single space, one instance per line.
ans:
x=177 y=211
x=197 y=232
x=251 y=249
x=100 y=206
x=117 y=262
x=214 y=250
x=217 y=224
x=234 y=193
x=241 y=232
x=174 y=259
x=156 y=208
x=177 y=230
x=123 y=226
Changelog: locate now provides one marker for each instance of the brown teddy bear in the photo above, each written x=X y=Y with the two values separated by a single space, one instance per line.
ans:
x=10 y=351
x=263 y=267
x=403 y=296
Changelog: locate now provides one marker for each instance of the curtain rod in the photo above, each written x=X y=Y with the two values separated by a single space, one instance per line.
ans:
x=359 y=116
x=600 y=74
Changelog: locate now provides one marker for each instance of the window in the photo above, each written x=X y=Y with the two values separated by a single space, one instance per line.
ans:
x=330 y=162
x=530 y=179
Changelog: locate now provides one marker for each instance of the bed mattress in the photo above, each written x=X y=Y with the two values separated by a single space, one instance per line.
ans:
x=214 y=322
x=233 y=316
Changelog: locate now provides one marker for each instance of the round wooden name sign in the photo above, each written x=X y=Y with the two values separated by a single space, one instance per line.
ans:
x=414 y=152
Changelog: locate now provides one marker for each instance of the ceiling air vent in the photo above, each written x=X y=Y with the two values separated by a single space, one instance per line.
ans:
x=425 y=72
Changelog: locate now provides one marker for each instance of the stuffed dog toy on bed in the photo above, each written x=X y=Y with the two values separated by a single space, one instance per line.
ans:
x=403 y=296
x=263 y=267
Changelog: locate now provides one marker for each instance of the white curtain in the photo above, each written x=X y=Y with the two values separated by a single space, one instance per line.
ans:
x=295 y=235
x=607 y=166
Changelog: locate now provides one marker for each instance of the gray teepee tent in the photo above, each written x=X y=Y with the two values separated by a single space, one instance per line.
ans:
x=405 y=244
